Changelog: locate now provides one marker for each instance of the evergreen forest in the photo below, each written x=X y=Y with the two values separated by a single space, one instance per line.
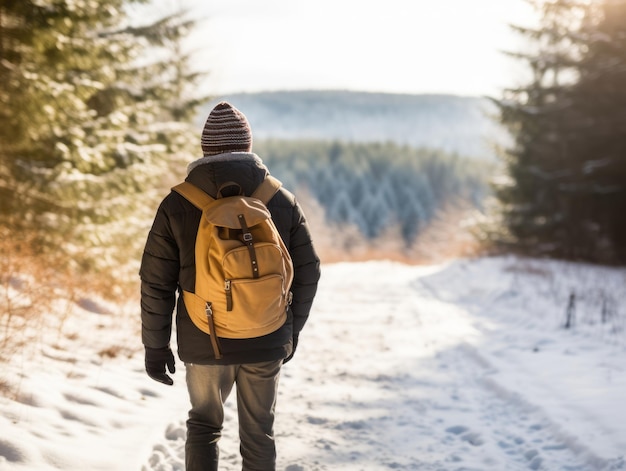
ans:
x=378 y=186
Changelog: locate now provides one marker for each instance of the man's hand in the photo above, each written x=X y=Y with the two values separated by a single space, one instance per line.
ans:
x=293 y=351
x=156 y=360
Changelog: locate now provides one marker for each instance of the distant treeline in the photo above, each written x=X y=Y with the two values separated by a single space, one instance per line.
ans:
x=377 y=185
x=451 y=123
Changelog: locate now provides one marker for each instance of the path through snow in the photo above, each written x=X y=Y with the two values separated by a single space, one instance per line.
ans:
x=459 y=367
x=452 y=368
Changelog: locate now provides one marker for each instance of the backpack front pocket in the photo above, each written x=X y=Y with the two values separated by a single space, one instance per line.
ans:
x=254 y=302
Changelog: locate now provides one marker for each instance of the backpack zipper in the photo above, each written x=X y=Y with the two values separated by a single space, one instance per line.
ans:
x=229 y=295
x=214 y=341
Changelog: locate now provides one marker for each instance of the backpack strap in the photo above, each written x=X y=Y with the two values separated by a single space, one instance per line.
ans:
x=200 y=199
x=267 y=189
x=193 y=194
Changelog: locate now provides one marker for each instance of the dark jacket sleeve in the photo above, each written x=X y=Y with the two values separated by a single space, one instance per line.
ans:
x=159 y=281
x=306 y=269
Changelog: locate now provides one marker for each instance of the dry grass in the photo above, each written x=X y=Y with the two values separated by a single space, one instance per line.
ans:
x=40 y=296
x=39 y=290
x=447 y=237
x=31 y=285
x=115 y=351
x=450 y=235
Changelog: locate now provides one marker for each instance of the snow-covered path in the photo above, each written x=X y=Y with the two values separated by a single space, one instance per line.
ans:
x=415 y=368
x=459 y=367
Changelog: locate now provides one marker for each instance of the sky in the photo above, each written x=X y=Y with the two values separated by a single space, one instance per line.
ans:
x=397 y=46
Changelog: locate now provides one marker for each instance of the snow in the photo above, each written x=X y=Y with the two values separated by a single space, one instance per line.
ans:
x=460 y=366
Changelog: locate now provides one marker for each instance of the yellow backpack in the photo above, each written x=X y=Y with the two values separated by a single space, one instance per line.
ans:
x=243 y=269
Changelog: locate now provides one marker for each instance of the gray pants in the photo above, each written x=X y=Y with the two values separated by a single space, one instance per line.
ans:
x=209 y=387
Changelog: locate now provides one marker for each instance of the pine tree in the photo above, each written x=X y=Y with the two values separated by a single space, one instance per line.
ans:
x=89 y=115
x=532 y=205
x=597 y=136
x=567 y=188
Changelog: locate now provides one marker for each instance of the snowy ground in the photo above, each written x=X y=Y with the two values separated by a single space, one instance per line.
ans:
x=464 y=366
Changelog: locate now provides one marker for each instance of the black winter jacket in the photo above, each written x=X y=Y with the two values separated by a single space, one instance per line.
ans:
x=168 y=266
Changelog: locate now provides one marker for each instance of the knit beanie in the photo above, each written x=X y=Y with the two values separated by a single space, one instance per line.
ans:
x=226 y=130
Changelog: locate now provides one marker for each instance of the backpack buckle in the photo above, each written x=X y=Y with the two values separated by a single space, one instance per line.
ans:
x=247 y=237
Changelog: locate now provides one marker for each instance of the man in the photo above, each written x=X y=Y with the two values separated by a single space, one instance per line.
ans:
x=168 y=266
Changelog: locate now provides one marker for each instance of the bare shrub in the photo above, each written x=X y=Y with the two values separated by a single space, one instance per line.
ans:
x=38 y=292
x=448 y=236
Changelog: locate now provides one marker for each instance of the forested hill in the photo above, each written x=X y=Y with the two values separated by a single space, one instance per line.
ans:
x=451 y=123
